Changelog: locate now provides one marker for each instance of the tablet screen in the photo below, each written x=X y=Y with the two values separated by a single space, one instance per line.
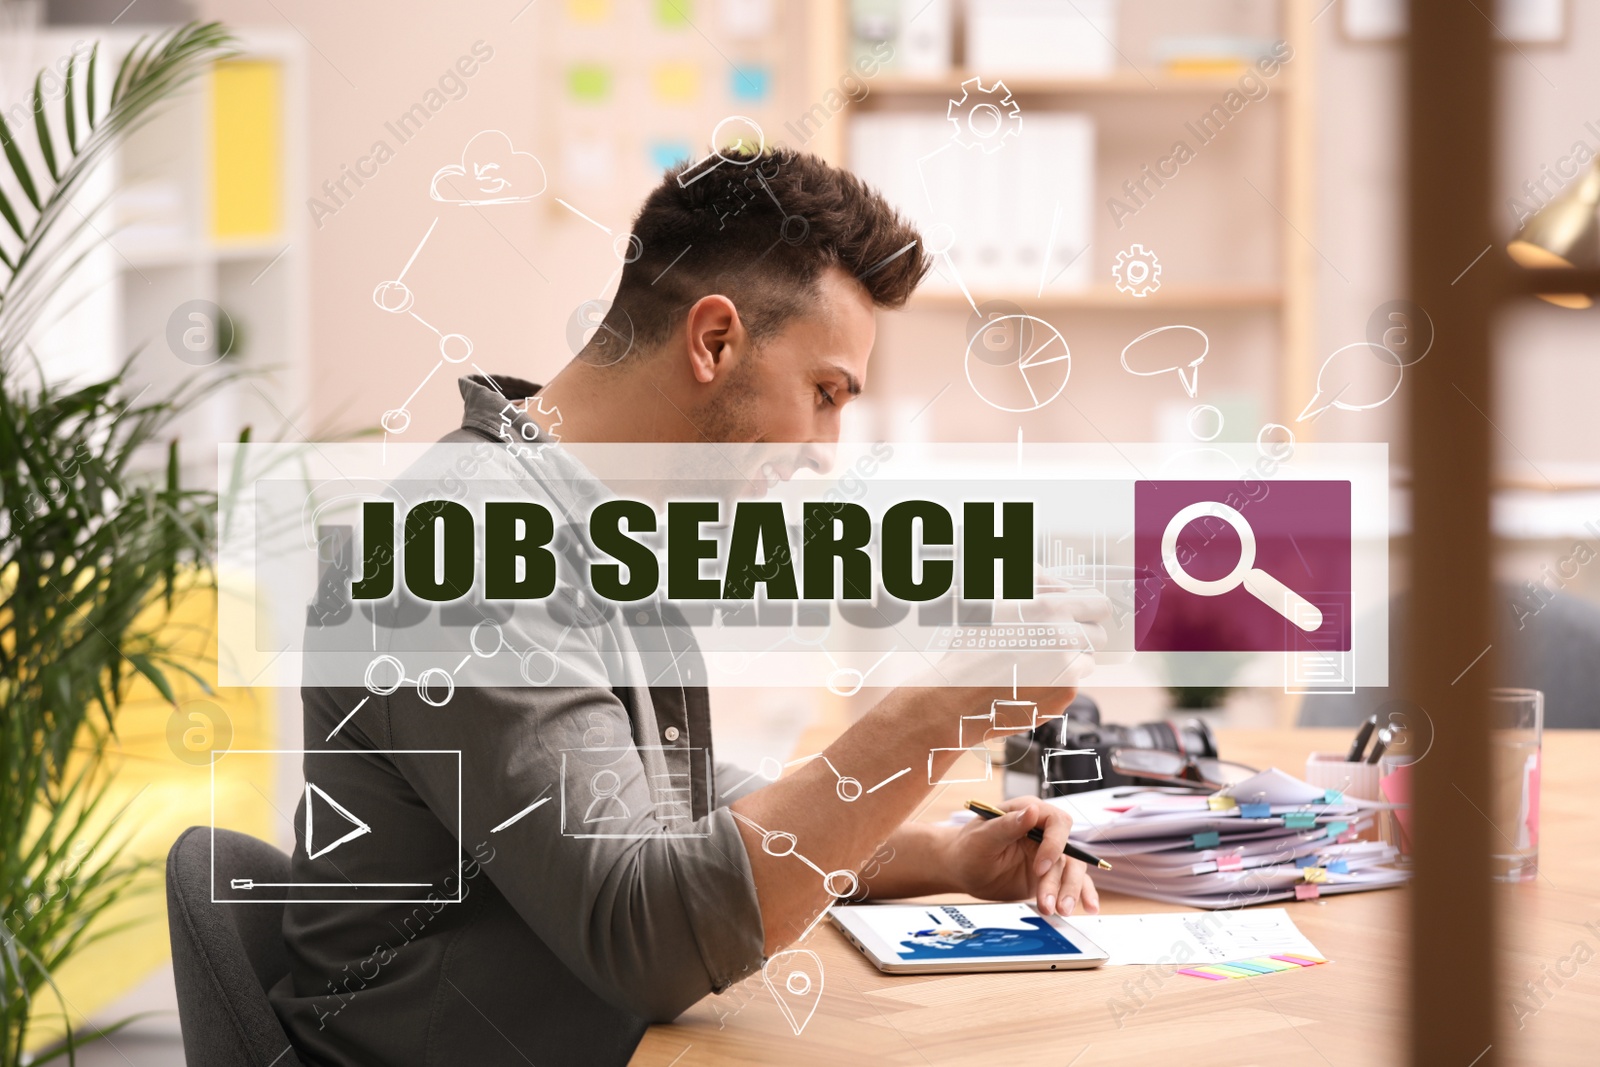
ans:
x=964 y=932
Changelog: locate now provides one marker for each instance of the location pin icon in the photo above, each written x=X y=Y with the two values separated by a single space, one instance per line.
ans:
x=795 y=979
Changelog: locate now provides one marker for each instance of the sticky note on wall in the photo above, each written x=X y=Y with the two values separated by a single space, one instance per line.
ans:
x=590 y=11
x=675 y=83
x=750 y=82
x=246 y=148
x=588 y=83
x=664 y=155
x=673 y=13
x=589 y=161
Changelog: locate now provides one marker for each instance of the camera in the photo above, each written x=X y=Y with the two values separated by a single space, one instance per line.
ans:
x=1072 y=754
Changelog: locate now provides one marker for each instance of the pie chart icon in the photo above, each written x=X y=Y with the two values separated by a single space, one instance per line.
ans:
x=1018 y=363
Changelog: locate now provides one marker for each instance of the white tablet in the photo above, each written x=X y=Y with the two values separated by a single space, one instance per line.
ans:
x=940 y=938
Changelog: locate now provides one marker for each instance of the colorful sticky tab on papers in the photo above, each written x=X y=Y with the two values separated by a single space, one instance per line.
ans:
x=1333 y=796
x=1347 y=837
x=1275 y=964
x=1198 y=973
x=1300 y=820
x=1305 y=891
x=1209 y=839
x=1339 y=867
x=1231 y=862
x=1315 y=874
x=1305 y=861
x=1336 y=828
x=1255 y=811
x=1251 y=965
x=1251 y=968
x=1221 y=803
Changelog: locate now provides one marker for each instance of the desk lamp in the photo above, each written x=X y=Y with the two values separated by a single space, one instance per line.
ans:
x=1564 y=233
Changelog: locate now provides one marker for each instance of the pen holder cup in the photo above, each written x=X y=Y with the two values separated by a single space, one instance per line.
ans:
x=1330 y=770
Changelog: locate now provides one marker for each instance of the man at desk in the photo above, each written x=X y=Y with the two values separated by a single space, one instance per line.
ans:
x=749 y=304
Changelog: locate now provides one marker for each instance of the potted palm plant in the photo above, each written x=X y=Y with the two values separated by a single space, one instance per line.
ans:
x=93 y=542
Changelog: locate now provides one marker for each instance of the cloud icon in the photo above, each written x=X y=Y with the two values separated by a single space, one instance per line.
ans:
x=1176 y=354
x=1352 y=376
x=490 y=172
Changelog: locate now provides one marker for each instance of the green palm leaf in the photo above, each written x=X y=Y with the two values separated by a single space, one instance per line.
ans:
x=151 y=71
x=88 y=544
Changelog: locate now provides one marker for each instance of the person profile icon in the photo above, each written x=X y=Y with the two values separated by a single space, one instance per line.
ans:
x=606 y=805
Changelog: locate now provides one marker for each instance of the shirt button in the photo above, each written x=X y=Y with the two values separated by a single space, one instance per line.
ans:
x=670 y=733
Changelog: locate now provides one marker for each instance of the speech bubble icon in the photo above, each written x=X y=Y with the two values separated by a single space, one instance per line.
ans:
x=1174 y=352
x=795 y=978
x=1358 y=370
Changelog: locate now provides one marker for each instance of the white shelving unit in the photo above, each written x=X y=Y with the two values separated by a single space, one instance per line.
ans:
x=157 y=251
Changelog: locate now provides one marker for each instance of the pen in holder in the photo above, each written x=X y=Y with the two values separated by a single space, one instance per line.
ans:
x=1330 y=770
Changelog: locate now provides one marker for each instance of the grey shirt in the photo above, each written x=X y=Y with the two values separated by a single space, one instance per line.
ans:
x=623 y=900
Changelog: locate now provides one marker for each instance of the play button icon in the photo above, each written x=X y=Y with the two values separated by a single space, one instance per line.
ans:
x=331 y=808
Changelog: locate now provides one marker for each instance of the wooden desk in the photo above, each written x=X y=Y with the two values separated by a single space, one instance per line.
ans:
x=1350 y=1012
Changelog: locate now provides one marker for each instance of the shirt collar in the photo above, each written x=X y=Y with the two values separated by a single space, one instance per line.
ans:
x=494 y=401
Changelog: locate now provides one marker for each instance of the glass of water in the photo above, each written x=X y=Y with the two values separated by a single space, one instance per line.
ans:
x=1516 y=735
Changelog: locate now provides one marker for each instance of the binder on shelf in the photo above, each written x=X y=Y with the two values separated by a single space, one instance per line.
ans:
x=1042 y=37
x=920 y=32
x=926 y=39
x=1001 y=205
x=246 y=149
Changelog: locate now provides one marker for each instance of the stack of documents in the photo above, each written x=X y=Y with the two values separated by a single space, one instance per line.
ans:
x=1272 y=837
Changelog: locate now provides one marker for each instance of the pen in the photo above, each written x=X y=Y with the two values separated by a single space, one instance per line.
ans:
x=1385 y=735
x=1359 y=745
x=988 y=811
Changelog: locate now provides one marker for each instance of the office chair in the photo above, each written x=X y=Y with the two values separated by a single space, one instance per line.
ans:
x=226 y=956
x=1555 y=649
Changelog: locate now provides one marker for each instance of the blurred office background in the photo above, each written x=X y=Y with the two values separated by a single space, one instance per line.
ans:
x=298 y=177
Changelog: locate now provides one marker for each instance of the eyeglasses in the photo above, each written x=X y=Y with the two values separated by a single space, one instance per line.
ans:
x=1177 y=768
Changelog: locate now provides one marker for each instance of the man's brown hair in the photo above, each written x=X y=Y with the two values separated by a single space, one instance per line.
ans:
x=760 y=230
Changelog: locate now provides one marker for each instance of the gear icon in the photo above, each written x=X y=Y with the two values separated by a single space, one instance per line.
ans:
x=523 y=437
x=984 y=118
x=1137 y=271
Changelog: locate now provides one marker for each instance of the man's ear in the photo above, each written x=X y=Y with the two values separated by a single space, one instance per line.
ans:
x=714 y=334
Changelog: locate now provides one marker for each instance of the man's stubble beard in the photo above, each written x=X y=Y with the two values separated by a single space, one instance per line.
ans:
x=732 y=416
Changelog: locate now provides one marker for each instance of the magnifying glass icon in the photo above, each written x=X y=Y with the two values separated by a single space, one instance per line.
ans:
x=1258 y=583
